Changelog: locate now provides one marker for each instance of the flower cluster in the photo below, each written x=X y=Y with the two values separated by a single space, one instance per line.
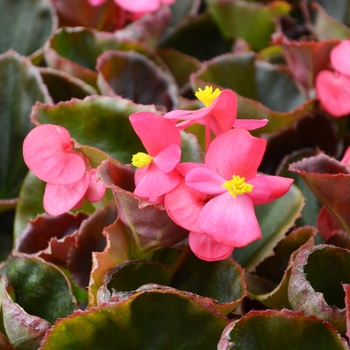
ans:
x=49 y=154
x=215 y=200
x=333 y=87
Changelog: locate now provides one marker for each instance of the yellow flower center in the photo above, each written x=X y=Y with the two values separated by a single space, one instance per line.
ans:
x=141 y=159
x=237 y=186
x=207 y=96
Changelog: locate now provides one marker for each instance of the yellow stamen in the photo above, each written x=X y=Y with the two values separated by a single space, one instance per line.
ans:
x=207 y=96
x=141 y=159
x=237 y=186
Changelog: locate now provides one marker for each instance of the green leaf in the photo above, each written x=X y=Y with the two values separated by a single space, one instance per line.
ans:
x=153 y=319
x=316 y=279
x=275 y=219
x=27 y=24
x=128 y=74
x=20 y=87
x=23 y=330
x=270 y=329
x=252 y=21
x=40 y=288
x=30 y=203
x=97 y=121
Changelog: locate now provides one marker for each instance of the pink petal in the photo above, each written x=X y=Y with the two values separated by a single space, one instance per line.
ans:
x=155 y=132
x=340 y=57
x=155 y=182
x=279 y=186
x=192 y=116
x=143 y=6
x=95 y=190
x=235 y=152
x=60 y=199
x=205 y=180
x=47 y=153
x=250 y=124
x=167 y=159
x=333 y=90
x=230 y=221
x=168 y=2
x=185 y=167
x=223 y=112
x=183 y=205
x=205 y=248
x=96 y=2
x=261 y=190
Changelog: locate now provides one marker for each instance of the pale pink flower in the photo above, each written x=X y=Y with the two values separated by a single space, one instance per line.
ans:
x=48 y=152
x=156 y=173
x=216 y=202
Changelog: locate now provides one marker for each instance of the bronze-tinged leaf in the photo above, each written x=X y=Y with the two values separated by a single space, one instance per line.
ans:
x=329 y=180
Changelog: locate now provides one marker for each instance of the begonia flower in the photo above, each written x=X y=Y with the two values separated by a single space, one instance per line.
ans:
x=333 y=87
x=48 y=152
x=222 y=195
x=156 y=172
x=136 y=6
x=218 y=115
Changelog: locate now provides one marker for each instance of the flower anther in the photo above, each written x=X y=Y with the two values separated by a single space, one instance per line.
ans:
x=237 y=186
x=141 y=159
x=207 y=96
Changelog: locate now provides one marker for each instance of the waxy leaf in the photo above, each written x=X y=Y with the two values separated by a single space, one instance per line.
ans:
x=316 y=279
x=80 y=13
x=252 y=21
x=20 y=87
x=25 y=25
x=347 y=305
x=154 y=319
x=275 y=219
x=108 y=115
x=40 y=288
x=220 y=281
x=115 y=253
x=270 y=283
x=89 y=239
x=263 y=90
x=329 y=180
x=23 y=330
x=270 y=329
x=327 y=27
x=306 y=59
x=128 y=74
x=63 y=87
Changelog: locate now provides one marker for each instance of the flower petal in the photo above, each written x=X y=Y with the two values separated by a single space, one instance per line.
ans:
x=250 y=124
x=261 y=190
x=95 y=191
x=205 y=248
x=183 y=205
x=155 y=182
x=137 y=6
x=339 y=57
x=47 y=153
x=205 y=180
x=96 y=2
x=155 y=132
x=59 y=199
x=230 y=221
x=235 y=152
x=333 y=90
x=167 y=159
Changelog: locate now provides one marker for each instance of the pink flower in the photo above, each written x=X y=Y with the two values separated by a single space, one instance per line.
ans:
x=48 y=153
x=218 y=115
x=156 y=173
x=333 y=88
x=216 y=202
x=136 y=6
